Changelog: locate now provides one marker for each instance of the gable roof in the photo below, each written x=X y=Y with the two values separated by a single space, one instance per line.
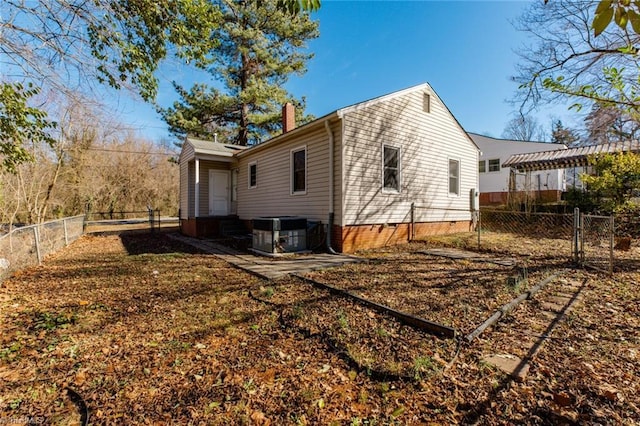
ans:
x=570 y=157
x=339 y=113
x=199 y=147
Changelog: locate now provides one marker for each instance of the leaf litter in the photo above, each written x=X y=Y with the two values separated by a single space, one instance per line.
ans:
x=146 y=330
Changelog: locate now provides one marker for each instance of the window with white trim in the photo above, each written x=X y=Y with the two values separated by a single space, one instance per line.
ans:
x=454 y=177
x=299 y=170
x=482 y=166
x=390 y=168
x=494 y=165
x=253 y=174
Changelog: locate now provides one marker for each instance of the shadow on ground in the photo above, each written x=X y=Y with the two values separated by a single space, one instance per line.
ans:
x=153 y=243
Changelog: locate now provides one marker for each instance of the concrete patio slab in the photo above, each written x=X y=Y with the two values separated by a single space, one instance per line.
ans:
x=268 y=267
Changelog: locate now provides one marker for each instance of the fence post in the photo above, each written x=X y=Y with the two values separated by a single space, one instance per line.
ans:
x=36 y=236
x=611 y=243
x=582 y=232
x=66 y=235
x=576 y=227
x=151 y=217
x=478 y=212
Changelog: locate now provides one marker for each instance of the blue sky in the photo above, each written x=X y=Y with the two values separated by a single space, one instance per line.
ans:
x=466 y=50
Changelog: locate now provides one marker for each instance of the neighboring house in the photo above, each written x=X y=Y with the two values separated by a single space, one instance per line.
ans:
x=498 y=182
x=359 y=168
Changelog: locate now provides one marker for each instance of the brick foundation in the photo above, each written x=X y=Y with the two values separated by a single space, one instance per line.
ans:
x=349 y=239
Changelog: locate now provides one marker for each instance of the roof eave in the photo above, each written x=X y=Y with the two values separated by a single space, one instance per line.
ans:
x=290 y=134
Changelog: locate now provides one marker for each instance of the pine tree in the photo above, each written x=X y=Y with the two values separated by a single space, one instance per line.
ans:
x=258 y=48
x=563 y=135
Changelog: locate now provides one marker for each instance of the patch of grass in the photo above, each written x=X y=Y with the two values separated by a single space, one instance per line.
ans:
x=51 y=321
x=518 y=280
x=98 y=307
x=11 y=352
x=297 y=312
x=177 y=345
x=342 y=320
x=380 y=331
x=267 y=292
x=423 y=367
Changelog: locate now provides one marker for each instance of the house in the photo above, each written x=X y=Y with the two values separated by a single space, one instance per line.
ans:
x=357 y=171
x=497 y=183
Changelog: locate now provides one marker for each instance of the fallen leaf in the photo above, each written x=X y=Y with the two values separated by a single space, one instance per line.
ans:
x=80 y=378
x=324 y=369
x=562 y=399
x=259 y=418
x=609 y=392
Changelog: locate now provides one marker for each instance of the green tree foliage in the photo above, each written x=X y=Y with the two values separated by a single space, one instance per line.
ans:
x=258 y=47
x=69 y=44
x=615 y=180
x=133 y=37
x=66 y=46
x=624 y=13
x=20 y=124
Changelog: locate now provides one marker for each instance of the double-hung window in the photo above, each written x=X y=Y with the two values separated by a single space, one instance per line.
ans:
x=390 y=169
x=482 y=166
x=299 y=171
x=454 y=177
x=253 y=175
x=494 y=165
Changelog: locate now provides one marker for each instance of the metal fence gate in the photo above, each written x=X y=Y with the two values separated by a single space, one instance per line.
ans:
x=593 y=241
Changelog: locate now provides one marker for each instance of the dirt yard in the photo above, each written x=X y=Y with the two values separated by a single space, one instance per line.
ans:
x=140 y=329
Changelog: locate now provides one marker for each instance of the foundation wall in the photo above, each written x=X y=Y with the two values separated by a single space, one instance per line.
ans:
x=348 y=239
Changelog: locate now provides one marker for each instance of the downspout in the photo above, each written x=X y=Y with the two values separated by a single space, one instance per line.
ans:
x=197 y=188
x=331 y=183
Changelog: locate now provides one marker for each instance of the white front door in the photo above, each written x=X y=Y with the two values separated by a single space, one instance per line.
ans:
x=218 y=192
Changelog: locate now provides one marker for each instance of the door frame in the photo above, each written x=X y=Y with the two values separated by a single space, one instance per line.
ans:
x=212 y=173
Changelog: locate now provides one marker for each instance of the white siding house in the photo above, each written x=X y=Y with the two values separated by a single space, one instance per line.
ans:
x=360 y=169
x=495 y=180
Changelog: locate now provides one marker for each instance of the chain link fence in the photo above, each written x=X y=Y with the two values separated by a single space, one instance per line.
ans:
x=557 y=238
x=533 y=234
x=586 y=239
x=540 y=225
x=27 y=246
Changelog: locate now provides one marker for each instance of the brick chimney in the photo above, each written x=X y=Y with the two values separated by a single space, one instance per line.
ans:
x=288 y=117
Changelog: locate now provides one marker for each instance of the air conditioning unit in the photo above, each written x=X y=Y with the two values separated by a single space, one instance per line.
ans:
x=284 y=234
